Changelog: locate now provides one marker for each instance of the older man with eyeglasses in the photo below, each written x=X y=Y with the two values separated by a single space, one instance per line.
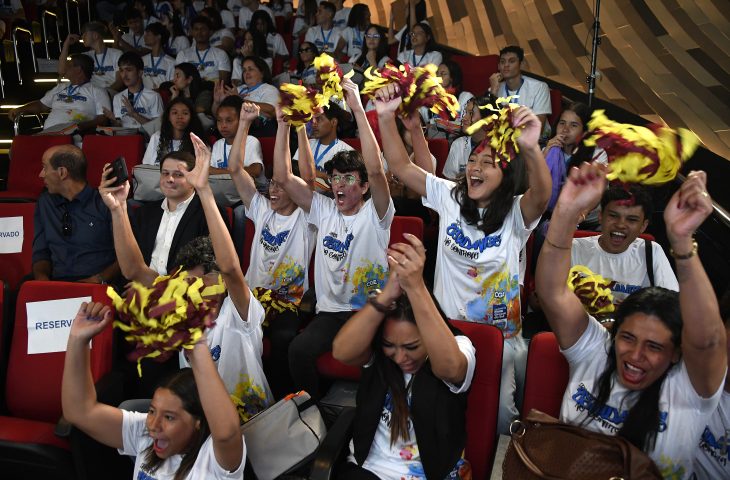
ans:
x=73 y=235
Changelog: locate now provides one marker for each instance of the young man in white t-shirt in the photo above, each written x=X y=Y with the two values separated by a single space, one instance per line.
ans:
x=342 y=13
x=353 y=233
x=158 y=66
x=323 y=145
x=227 y=118
x=105 y=59
x=133 y=40
x=618 y=254
x=136 y=105
x=530 y=92
x=212 y=62
x=246 y=10
x=324 y=35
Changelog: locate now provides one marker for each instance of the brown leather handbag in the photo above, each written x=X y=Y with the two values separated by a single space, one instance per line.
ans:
x=542 y=448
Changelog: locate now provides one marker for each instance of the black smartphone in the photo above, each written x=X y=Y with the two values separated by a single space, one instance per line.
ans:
x=119 y=170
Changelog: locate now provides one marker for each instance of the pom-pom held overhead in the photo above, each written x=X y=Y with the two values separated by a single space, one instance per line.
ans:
x=419 y=87
x=592 y=289
x=298 y=103
x=501 y=134
x=329 y=78
x=648 y=155
x=171 y=315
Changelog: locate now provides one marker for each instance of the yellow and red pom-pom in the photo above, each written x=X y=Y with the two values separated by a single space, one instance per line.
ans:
x=298 y=103
x=329 y=77
x=501 y=134
x=592 y=289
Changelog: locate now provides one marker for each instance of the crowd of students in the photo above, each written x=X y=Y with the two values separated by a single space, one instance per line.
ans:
x=653 y=372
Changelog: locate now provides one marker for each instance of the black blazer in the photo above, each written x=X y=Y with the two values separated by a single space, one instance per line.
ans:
x=146 y=221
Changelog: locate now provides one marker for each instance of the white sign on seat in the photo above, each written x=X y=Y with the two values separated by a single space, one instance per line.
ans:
x=49 y=323
x=11 y=234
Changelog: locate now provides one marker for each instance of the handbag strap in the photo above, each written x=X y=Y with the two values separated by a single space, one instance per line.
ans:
x=310 y=402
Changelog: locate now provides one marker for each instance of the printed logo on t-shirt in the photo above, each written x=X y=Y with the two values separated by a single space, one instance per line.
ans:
x=496 y=301
x=460 y=243
x=141 y=475
x=717 y=448
x=102 y=70
x=334 y=248
x=628 y=289
x=610 y=418
x=64 y=97
x=368 y=276
x=271 y=242
x=215 y=352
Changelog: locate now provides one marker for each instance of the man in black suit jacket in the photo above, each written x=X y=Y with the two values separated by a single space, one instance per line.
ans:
x=161 y=228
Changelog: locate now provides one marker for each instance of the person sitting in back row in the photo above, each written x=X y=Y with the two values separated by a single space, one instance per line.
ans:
x=136 y=105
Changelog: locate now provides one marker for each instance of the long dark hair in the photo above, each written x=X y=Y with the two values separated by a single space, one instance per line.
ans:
x=643 y=421
x=300 y=64
x=457 y=77
x=356 y=18
x=182 y=385
x=262 y=15
x=166 y=130
x=500 y=201
x=380 y=52
x=431 y=43
x=191 y=71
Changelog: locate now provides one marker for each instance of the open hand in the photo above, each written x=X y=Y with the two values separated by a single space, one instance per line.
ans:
x=198 y=176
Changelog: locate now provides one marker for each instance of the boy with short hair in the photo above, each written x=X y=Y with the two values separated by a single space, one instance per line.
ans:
x=133 y=40
x=324 y=35
x=105 y=58
x=212 y=62
x=227 y=118
x=136 y=105
x=158 y=66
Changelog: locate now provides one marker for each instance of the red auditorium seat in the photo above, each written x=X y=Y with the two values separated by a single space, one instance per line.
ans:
x=13 y=266
x=556 y=105
x=101 y=149
x=401 y=225
x=354 y=143
x=373 y=121
x=249 y=229
x=439 y=148
x=26 y=154
x=481 y=411
x=546 y=376
x=267 y=150
x=288 y=40
x=33 y=390
x=476 y=71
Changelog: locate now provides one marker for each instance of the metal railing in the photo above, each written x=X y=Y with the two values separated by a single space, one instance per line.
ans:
x=68 y=15
x=15 y=51
x=45 y=31
x=16 y=122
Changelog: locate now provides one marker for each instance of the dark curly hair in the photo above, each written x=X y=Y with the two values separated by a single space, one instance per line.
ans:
x=197 y=252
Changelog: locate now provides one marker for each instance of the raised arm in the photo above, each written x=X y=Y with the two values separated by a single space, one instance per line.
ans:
x=128 y=253
x=219 y=411
x=295 y=187
x=305 y=161
x=387 y=101
x=704 y=348
x=370 y=151
x=63 y=56
x=225 y=252
x=101 y=422
x=245 y=185
x=447 y=361
x=421 y=153
x=563 y=309
x=535 y=200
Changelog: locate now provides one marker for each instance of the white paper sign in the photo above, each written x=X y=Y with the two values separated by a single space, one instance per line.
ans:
x=11 y=234
x=49 y=323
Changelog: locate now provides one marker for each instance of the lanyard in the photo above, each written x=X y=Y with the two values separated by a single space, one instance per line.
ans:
x=70 y=92
x=201 y=61
x=516 y=94
x=317 y=156
x=100 y=65
x=136 y=96
x=326 y=39
x=244 y=90
x=155 y=65
x=136 y=40
x=358 y=36
x=417 y=63
x=225 y=155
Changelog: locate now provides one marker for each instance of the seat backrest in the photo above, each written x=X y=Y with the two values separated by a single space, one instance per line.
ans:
x=483 y=400
x=590 y=233
x=267 y=151
x=401 y=225
x=476 y=71
x=354 y=143
x=13 y=266
x=101 y=149
x=439 y=148
x=546 y=376
x=26 y=154
x=33 y=388
x=556 y=105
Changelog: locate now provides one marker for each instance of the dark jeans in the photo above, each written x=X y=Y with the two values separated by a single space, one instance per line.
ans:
x=281 y=331
x=306 y=347
x=350 y=471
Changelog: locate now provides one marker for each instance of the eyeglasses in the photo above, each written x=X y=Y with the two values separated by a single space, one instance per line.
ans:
x=349 y=179
x=372 y=35
x=66 y=229
x=305 y=50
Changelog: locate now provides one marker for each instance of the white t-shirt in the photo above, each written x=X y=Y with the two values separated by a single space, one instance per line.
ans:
x=626 y=270
x=341 y=16
x=105 y=66
x=324 y=153
x=683 y=413
x=261 y=93
x=325 y=40
x=713 y=459
x=236 y=347
x=157 y=70
x=234 y=6
x=147 y=103
x=136 y=439
x=166 y=232
x=276 y=45
x=178 y=44
x=237 y=74
x=458 y=157
x=150 y=155
x=281 y=250
x=137 y=41
x=477 y=276
x=533 y=93
x=227 y=18
x=354 y=41
x=403 y=460
x=410 y=57
x=209 y=61
x=216 y=39
x=350 y=258
x=221 y=153
x=245 y=14
x=87 y=102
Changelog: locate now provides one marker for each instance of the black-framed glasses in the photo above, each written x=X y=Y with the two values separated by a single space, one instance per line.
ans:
x=66 y=228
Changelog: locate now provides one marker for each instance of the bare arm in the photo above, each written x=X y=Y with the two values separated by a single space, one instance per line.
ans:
x=34 y=107
x=387 y=102
x=295 y=187
x=307 y=169
x=129 y=256
x=245 y=185
x=704 y=346
x=225 y=253
x=219 y=411
x=421 y=153
x=63 y=56
x=101 y=422
x=535 y=200
x=370 y=150
x=562 y=308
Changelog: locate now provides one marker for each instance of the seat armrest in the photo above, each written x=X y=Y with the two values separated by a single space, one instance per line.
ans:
x=332 y=446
